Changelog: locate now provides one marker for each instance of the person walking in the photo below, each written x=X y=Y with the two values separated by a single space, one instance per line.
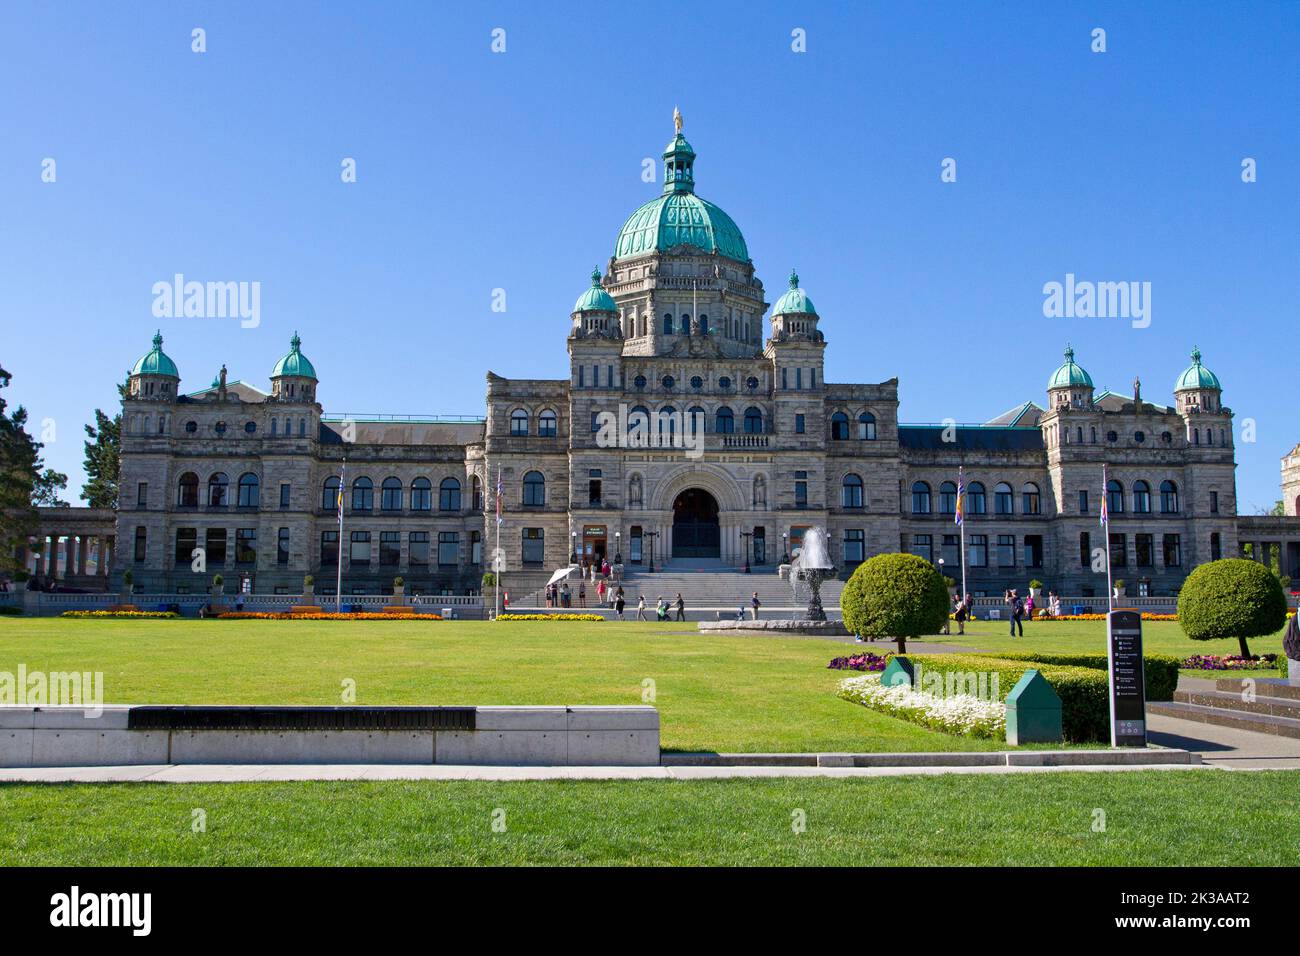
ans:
x=640 y=608
x=959 y=613
x=754 y=605
x=1017 y=611
x=600 y=593
x=661 y=608
x=681 y=607
x=1029 y=605
x=582 y=594
x=618 y=607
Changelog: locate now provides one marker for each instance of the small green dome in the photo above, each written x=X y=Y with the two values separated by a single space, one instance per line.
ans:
x=1070 y=374
x=1197 y=375
x=595 y=299
x=156 y=362
x=295 y=363
x=795 y=301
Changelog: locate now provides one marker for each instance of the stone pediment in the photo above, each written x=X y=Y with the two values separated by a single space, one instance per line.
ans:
x=696 y=346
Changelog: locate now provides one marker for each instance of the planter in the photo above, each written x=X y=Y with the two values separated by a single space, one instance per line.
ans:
x=398 y=598
x=308 y=596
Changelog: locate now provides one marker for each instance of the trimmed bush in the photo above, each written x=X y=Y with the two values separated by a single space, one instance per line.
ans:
x=1229 y=598
x=896 y=596
x=1161 y=669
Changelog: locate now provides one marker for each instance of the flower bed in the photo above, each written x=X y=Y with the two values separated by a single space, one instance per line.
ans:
x=324 y=616
x=866 y=661
x=549 y=617
x=105 y=614
x=961 y=714
x=1146 y=616
x=1230 y=662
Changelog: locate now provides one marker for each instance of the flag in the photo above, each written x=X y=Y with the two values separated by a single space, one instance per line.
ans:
x=961 y=498
x=342 y=476
x=500 y=495
x=1105 y=510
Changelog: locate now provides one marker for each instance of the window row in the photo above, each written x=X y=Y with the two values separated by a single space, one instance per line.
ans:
x=391 y=493
x=976 y=503
x=695 y=420
x=866 y=427
x=361 y=548
x=947 y=551
x=247 y=491
x=1115 y=498
x=1144 y=551
x=521 y=423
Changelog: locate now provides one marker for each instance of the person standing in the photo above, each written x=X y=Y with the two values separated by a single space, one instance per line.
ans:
x=681 y=607
x=959 y=613
x=600 y=593
x=754 y=605
x=618 y=607
x=640 y=608
x=582 y=594
x=1017 y=610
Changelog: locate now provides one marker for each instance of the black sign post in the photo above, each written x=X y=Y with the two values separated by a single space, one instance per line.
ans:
x=1128 y=697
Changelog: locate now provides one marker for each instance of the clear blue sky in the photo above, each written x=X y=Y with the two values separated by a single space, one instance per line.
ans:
x=479 y=171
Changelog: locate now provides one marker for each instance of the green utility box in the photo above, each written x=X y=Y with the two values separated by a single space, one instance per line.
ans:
x=1033 y=711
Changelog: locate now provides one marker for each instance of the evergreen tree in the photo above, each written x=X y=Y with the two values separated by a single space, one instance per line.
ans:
x=104 y=458
x=21 y=480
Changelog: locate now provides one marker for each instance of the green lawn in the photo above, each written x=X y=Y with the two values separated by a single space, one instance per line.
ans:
x=714 y=693
x=1152 y=818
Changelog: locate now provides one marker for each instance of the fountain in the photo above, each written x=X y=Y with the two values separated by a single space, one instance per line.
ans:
x=810 y=566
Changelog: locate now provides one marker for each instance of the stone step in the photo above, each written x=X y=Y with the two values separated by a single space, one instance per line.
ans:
x=1264 y=687
x=1233 y=700
x=1259 y=723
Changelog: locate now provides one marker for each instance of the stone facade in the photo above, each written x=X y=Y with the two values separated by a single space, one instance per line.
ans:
x=685 y=426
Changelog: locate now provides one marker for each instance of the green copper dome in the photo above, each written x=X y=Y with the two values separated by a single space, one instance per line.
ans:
x=595 y=299
x=156 y=362
x=679 y=217
x=1069 y=374
x=1197 y=375
x=295 y=363
x=795 y=301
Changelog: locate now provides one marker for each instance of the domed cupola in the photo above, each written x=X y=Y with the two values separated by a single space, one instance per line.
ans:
x=794 y=314
x=1070 y=385
x=155 y=375
x=294 y=377
x=678 y=217
x=595 y=299
x=596 y=312
x=1197 y=389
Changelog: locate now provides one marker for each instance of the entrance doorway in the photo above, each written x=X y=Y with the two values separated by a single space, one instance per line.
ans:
x=593 y=543
x=695 y=525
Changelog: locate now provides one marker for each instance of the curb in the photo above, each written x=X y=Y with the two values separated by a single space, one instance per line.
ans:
x=1019 y=758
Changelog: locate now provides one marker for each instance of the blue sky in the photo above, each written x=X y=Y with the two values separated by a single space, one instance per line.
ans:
x=478 y=171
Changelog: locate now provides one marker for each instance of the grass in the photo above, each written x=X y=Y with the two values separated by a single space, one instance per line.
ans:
x=1152 y=818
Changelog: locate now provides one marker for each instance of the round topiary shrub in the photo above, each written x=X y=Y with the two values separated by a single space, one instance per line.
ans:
x=897 y=596
x=1231 y=598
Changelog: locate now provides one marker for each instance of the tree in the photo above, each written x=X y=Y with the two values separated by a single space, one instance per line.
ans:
x=46 y=488
x=104 y=458
x=1233 y=597
x=20 y=475
x=895 y=595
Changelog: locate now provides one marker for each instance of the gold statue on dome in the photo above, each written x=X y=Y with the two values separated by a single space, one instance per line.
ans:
x=677 y=120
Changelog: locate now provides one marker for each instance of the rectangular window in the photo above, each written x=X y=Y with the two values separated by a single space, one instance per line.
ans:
x=812 y=375
x=609 y=380
x=593 y=491
x=245 y=545
x=923 y=546
x=1216 y=547
x=1119 y=550
x=978 y=551
x=951 y=552
x=282 y=547
x=582 y=376
x=1143 y=550
x=634 y=544
x=595 y=422
x=1006 y=550
x=855 y=546
x=785 y=378
x=284 y=494
x=801 y=489
x=1033 y=550
x=359 y=549
x=214 y=547
x=448 y=548
x=799 y=424
x=476 y=547
x=1083 y=502
x=390 y=549
x=798 y=377
x=1085 y=549
x=1173 y=551
x=187 y=539
x=534 y=545
x=1214 y=502
x=418 y=543
x=329 y=549
x=142 y=495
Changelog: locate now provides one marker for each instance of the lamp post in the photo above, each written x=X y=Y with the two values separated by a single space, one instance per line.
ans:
x=946 y=629
x=651 y=535
x=747 y=535
x=618 y=548
x=785 y=550
x=573 y=547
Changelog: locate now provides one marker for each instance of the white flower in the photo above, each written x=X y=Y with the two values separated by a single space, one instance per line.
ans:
x=955 y=714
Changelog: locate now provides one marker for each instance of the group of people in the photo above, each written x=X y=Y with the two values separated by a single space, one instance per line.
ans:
x=663 y=610
x=1018 y=609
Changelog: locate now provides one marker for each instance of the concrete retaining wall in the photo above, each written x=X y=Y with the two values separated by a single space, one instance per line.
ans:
x=510 y=736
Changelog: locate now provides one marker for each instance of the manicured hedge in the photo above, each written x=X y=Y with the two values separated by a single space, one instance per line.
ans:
x=1232 y=597
x=1161 y=669
x=1085 y=705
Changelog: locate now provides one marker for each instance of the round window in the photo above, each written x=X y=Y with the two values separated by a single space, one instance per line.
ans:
x=1112 y=436
x=639 y=382
x=724 y=382
x=751 y=382
x=1139 y=437
x=191 y=427
x=669 y=382
x=697 y=382
x=250 y=427
x=220 y=428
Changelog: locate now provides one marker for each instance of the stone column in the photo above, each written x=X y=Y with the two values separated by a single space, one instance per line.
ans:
x=52 y=565
x=70 y=555
x=83 y=544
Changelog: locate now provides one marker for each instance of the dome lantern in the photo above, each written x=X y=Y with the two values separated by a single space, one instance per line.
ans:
x=1197 y=389
x=294 y=377
x=1070 y=385
x=154 y=375
x=794 y=317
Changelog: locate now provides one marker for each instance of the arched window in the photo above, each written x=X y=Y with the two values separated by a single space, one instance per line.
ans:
x=1168 y=498
x=668 y=323
x=920 y=498
x=704 y=324
x=753 y=421
x=867 y=427
x=329 y=495
x=248 y=496
x=698 y=420
x=1003 y=499
x=686 y=324
x=546 y=424
x=976 y=499
x=519 y=422
x=724 y=422
x=218 y=490
x=534 y=489
x=476 y=490
x=363 y=494
x=1030 y=499
x=1114 y=497
x=667 y=422
x=852 y=491
x=274 y=427
x=187 y=491
x=839 y=427
x=390 y=495
x=449 y=495
x=421 y=495
x=638 y=423
x=947 y=498
x=1141 y=498
x=302 y=428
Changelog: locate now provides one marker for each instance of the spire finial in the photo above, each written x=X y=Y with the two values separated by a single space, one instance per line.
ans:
x=157 y=339
x=677 y=120
x=595 y=278
x=1196 y=355
x=1069 y=352
x=794 y=279
x=295 y=342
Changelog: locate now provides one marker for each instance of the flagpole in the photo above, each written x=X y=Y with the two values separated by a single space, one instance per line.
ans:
x=496 y=555
x=1105 y=511
x=961 y=525
x=338 y=574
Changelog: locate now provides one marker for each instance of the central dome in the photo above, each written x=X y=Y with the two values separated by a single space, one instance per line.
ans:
x=679 y=217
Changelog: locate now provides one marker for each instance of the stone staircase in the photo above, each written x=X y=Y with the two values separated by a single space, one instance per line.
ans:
x=1274 y=709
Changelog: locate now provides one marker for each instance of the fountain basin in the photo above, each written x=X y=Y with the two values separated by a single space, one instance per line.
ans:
x=776 y=628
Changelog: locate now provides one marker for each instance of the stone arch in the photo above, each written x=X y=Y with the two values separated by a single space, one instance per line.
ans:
x=730 y=493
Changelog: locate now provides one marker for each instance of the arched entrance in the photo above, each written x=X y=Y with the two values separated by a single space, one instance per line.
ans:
x=695 y=525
